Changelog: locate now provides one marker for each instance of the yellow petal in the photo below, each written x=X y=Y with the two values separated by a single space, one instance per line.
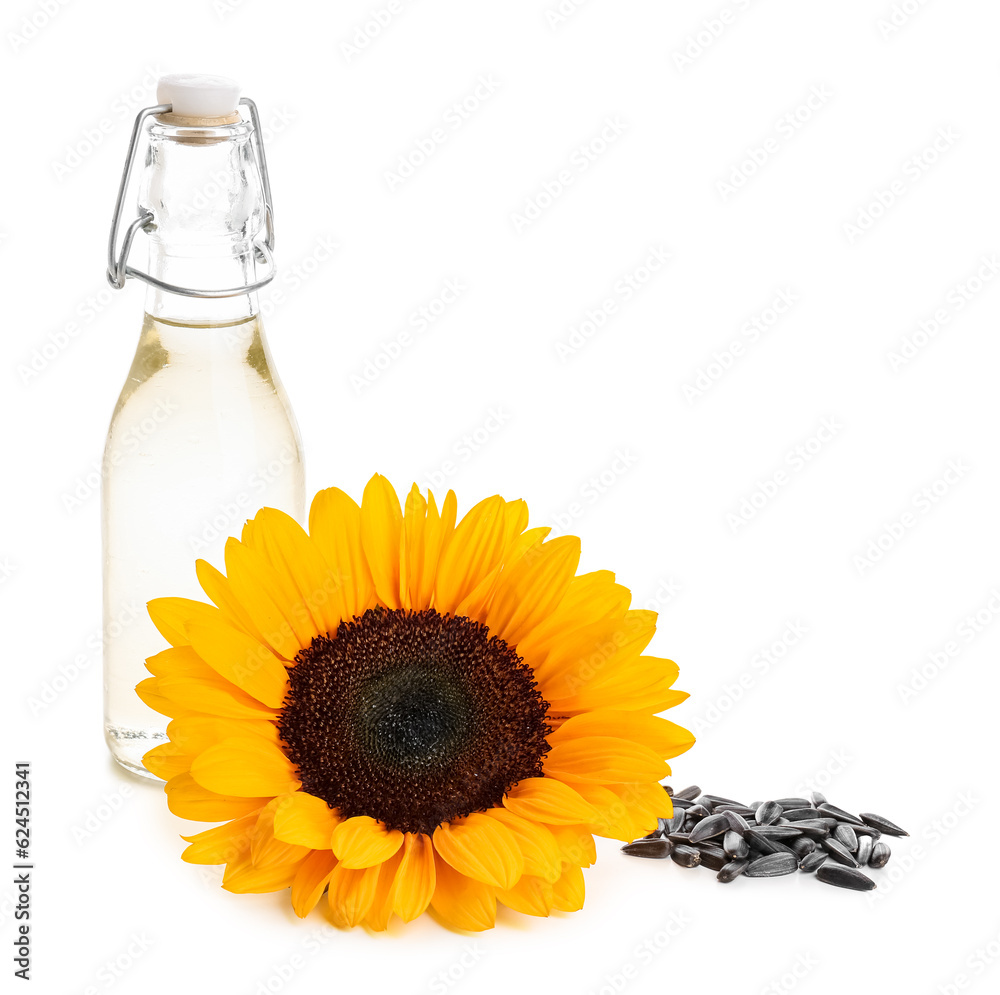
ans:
x=531 y=589
x=351 y=894
x=189 y=800
x=568 y=891
x=241 y=660
x=305 y=819
x=221 y=844
x=462 y=902
x=245 y=879
x=183 y=695
x=196 y=733
x=179 y=661
x=266 y=849
x=474 y=549
x=310 y=582
x=538 y=845
x=335 y=528
x=171 y=615
x=481 y=848
x=311 y=880
x=167 y=760
x=245 y=767
x=576 y=844
x=664 y=738
x=216 y=585
x=414 y=881
x=615 y=819
x=544 y=799
x=362 y=842
x=381 y=524
x=532 y=896
x=603 y=759
x=380 y=910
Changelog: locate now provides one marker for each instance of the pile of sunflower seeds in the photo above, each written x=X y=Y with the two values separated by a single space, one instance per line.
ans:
x=770 y=838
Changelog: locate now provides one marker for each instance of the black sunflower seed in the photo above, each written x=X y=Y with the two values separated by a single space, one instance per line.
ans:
x=673 y=824
x=737 y=822
x=779 y=832
x=713 y=857
x=681 y=803
x=698 y=811
x=712 y=825
x=734 y=844
x=654 y=848
x=803 y=845
x=732 y=870
x=815 y=828
x=866 y=831
x=880 y=855
x=678 y=837
x=846 y=835
x=772 y=865
x=669 y=790
x=865 y=844
x=688 y=794
x=767 y=812
x=844 y=877
x=813 y=860
x=818 y=798
x=736 y=809
x=798 y=814
x=882 y=825
x=686 y=856
x=719 y=800
x=793 y=802
x=838 y=851
x=758 y=842
x=839 y=813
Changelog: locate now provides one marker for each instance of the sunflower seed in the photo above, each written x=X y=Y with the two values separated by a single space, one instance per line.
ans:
x=669 y=790
x=779 y=832
x=738 y=809
x=759 y=843
x=802 y=846
x=713 y=825
x=846 y=835
x=713 y=857
x=767 y=812
x=686 y=856
x=793 y=802
x=734 y=844
x=882 y=825
x=719 y=800
x=772 y=865
x=698 y=811
x=844 y=877
x=681 y=803
x=816 y=828
x=678 y=838
x=838 y=851
x=866 y=831
x=865 y=844
x=688 y=794
x=655 y=848
x=732 y=870
x=737 y=822
x=839 y=813
x=798 y=814
x=818 y=798
x=674 y=824
x=812 y=860
x=880 y=855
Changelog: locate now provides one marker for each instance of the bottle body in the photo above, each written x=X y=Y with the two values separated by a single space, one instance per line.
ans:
x=202 y=436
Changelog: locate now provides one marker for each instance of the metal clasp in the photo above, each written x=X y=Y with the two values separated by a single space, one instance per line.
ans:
x=118 y=267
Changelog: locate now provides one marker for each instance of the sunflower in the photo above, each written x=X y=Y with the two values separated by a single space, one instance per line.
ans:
x=403 y=712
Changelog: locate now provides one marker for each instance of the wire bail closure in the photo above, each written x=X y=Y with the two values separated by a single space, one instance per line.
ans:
x=118 y=268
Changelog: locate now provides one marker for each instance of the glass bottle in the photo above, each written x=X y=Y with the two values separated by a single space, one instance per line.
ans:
x=202 y=435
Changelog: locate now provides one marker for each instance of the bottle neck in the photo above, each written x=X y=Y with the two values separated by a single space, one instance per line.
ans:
x=182 y=266
x=204 y=191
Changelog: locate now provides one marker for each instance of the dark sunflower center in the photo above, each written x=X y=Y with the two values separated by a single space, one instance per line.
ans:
x=413 y=718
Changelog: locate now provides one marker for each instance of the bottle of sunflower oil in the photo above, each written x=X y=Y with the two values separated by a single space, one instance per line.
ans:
x=202 y=434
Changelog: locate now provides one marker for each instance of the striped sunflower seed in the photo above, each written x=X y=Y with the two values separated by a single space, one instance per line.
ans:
x=846 y=835
x=798 y=814
x=779 y=832
x=737 y=822
x=712 y=825
x=767 y=813
x=864 y=851
x=844 y=877
x=772 y=865
x=838 y=851
x=719 y=800
x=818 y=798
x=698 y=811
x=656 y=849
x=882 y=825
x=793 y=802
x=803 y=845
x=688 y=794
x=880 y=854
x=732 y=870
x=685 y=856
x=713 y=857
x=734 y=844
x=813 y=860
x=839 y=813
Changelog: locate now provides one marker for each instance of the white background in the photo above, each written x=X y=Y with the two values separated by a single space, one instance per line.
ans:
x=837 y=704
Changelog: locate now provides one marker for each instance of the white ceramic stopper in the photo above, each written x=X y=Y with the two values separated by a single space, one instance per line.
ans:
x=195 y=95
